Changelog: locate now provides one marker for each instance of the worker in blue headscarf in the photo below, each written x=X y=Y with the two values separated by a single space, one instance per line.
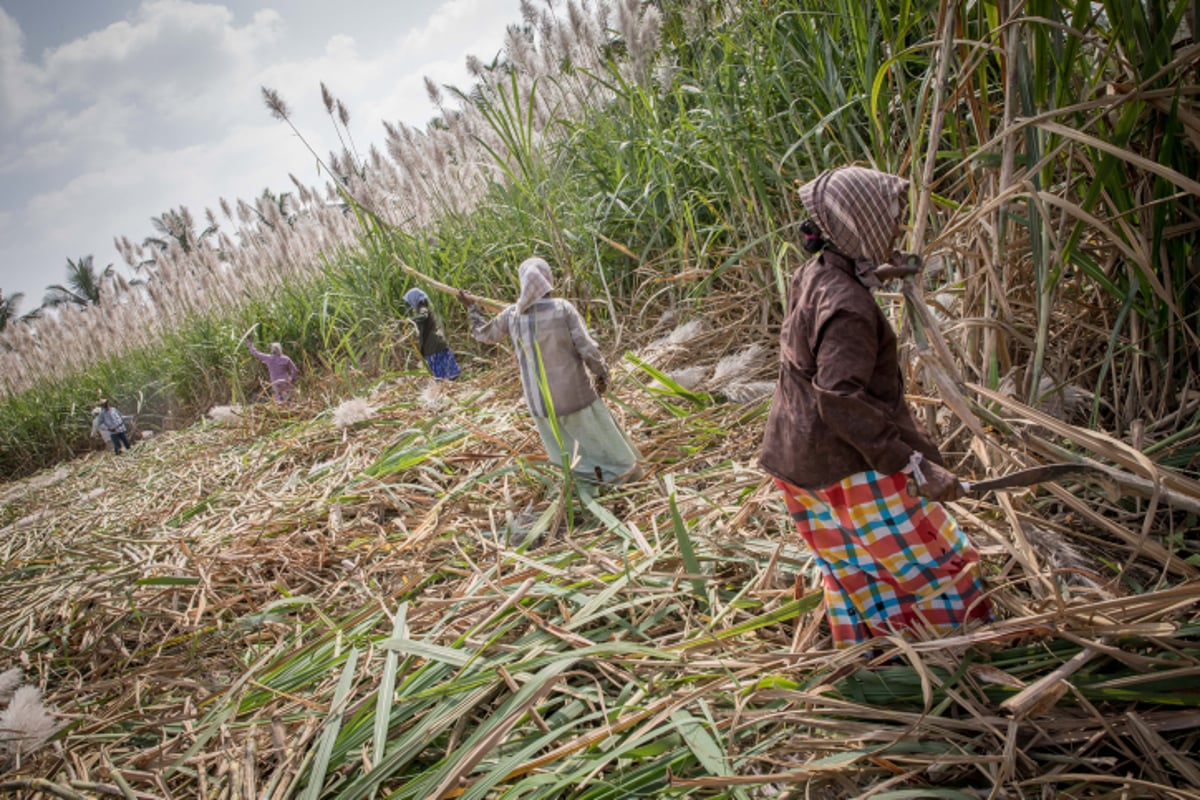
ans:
x=434 y=347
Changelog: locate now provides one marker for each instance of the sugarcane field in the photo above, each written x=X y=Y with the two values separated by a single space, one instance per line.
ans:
x=715 y=400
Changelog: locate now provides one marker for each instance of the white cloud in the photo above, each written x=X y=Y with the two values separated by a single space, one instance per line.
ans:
x=161 y=81
x=20 y=83
x=175 y=60
x=164 y=109
x=452 y=19
x=341 y=48
x=82 y=139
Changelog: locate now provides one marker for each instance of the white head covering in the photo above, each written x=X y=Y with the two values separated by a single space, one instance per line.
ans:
x=276 y=349
x=536 y=283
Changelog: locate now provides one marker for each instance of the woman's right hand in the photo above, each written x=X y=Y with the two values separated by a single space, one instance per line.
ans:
x=940 y=484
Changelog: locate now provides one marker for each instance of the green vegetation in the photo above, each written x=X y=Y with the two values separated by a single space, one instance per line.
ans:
x=648 y=650
x=1067 y=195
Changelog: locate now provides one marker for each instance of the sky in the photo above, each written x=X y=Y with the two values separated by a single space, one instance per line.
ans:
x=115 y=111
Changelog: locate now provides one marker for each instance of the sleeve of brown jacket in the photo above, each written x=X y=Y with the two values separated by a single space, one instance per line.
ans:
x=846 y=358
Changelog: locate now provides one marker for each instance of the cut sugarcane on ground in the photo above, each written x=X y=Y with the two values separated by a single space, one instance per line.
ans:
x=395 y=592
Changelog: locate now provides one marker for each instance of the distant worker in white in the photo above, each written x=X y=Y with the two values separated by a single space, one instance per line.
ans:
x=111 y=422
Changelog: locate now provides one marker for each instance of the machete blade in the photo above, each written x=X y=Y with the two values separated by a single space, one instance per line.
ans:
x=1030 y=477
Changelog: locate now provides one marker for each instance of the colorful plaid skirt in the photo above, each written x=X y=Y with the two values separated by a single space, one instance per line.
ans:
x=443 y=365
x=890 y=562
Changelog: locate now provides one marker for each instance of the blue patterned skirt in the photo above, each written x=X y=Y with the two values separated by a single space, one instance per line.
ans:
x=443 y=365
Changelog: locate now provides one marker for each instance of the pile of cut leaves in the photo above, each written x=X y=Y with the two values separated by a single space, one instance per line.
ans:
x=401 y=598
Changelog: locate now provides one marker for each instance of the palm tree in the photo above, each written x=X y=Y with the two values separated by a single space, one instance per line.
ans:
x=9 y=309
x=180 y=227
x=272 y=208
x=83 y=284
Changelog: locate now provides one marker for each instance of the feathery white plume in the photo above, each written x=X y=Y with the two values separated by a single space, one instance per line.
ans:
x=685 y=333
x=9 y=681
x=26 y=724
x=677 y=339
x=688 y=377
x=198 y=269
x=749 y=391
x=676 y=342
x=730 y=368
x=431 y=396
x=225 y=413
x=23 y=521
x=351 y=411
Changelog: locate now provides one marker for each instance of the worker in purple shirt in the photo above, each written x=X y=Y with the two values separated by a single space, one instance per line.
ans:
x=281 y=370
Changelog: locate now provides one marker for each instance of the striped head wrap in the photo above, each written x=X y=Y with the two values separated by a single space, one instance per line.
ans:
x=536 y=283
x=857 y=210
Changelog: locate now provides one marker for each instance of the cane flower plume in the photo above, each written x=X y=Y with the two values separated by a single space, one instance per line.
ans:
x=687 y=377
x=25 y=724
x=9 y=681
x=351 y=411
x=275 y=104
x=748 y=391
x=737 y=366
x=225 y=413
x=431 y=396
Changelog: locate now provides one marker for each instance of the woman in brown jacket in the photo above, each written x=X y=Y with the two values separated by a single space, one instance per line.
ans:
x=841 y=442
